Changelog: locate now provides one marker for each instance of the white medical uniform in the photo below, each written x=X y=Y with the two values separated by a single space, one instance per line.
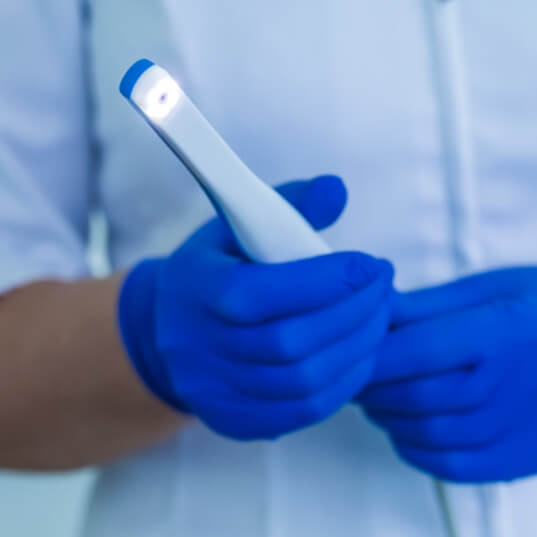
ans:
x=427 y=109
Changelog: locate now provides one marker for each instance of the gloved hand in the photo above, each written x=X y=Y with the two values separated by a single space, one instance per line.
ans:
x=455 y=384
x=257 y=350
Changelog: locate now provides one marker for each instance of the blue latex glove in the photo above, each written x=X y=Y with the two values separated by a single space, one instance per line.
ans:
x=254 y=350
x=456 y=380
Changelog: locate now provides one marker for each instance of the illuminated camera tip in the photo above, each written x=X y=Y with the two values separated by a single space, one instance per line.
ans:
x=162 y=98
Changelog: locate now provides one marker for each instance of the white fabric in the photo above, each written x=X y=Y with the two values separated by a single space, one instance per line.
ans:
x=298 y=88
x=44 y=149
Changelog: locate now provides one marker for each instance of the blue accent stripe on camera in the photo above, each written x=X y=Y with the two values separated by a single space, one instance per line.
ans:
x=132 y=75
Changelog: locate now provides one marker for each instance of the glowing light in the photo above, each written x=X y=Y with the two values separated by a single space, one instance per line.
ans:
x=162 y=98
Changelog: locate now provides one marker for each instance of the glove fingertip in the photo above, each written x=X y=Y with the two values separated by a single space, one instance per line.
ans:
x=363 y=269
x=320 y=200
x=325 y=201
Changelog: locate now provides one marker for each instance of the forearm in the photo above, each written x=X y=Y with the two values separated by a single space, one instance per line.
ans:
x=68 y=394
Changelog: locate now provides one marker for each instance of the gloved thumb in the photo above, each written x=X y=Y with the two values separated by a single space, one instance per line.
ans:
x=320 y=200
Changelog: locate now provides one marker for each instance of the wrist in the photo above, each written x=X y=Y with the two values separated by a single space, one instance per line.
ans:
x=136 y=318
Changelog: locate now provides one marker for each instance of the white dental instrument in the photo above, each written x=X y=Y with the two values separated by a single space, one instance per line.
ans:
x=266 y=226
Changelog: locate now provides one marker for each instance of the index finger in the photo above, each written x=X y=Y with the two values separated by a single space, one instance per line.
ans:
x=462 y=294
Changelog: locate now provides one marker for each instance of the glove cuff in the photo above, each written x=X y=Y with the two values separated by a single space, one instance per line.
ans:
x=136 y=319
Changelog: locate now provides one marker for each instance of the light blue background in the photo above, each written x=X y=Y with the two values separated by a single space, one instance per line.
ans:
x=43 y=505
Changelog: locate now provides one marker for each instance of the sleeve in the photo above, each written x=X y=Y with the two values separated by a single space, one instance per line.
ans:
x=44 y=142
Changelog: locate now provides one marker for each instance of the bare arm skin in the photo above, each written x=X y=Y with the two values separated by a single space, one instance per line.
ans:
x=68 y=394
